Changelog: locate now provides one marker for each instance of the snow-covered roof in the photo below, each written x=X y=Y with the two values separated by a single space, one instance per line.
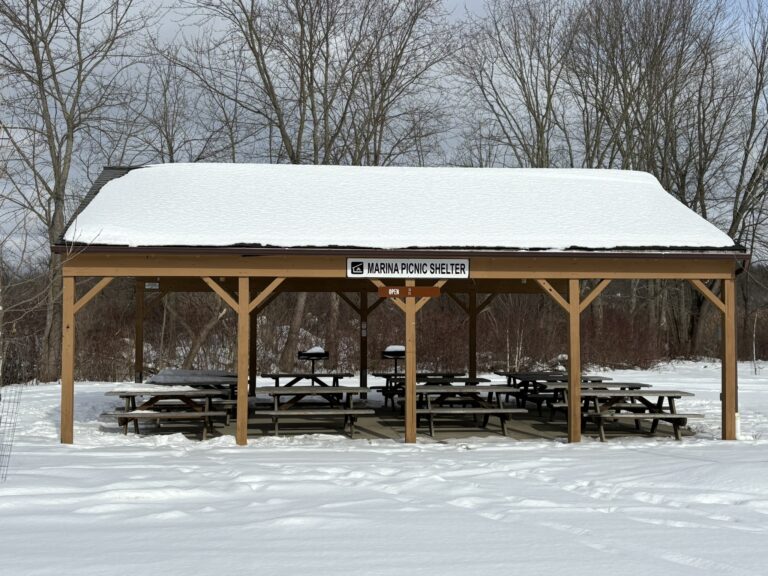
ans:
x=289 y=206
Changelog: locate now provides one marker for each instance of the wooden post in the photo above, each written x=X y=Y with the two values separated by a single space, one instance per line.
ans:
x=410 y=367
x=364 y=339
x=729 y=395
x=253 y=352
x=68 y=361
x=243 y=348
x=472 y=296
x=574 y=362
x=138 y=338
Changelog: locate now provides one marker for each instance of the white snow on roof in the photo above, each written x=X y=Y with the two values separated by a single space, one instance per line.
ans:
x=389 y=208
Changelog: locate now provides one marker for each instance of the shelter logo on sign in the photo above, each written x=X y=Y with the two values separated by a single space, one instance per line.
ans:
x=407 y=268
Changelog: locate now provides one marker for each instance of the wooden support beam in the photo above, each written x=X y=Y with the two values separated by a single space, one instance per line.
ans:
x=574 y=362
x=472 y=335
x=596 y=291
x=91 y=294
x=709 y=295
x=243 y=349
x=458 y=301
x=68 y=361
x=349 y=301
x=253 y=340
x=223 y=294
x=313 y=266
x=485 y=303
x=271 y=298
x=549 y=289
x=376 y=304
x=410 y=367
x=153 y=301
x=363 y=311
x=423 y=301
x=729 y=394
x=264 y=294
x=138 y=335
x=395 y=301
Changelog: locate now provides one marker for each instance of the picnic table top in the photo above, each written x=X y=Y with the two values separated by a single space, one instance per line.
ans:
x=598 y=385
x=199 y=382
x=178 y=377
x=455 y=380
x=310 y=390
x=549 y=376
x=162 y=390
x=442 y=389
x=541 y=374
x=634 y=393
x=275 y=375
x=418 y=374
x=435 y=379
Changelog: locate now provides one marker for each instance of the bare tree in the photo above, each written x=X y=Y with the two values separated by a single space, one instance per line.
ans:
x=63 y=67
x=510 y=61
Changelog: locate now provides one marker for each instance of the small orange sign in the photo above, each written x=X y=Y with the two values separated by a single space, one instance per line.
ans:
x=409 y=292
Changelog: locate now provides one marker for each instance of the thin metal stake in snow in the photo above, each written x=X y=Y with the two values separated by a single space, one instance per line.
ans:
x=10 y=400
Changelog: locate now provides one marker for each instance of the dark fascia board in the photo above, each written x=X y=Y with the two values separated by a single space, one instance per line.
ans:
x=107 y=173
x=737 y=253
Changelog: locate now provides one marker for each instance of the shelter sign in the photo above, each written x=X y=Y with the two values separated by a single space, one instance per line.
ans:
x=407 y=268
x=409 y=292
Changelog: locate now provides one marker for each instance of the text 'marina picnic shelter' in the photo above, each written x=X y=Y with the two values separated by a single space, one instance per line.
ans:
x=251 y=231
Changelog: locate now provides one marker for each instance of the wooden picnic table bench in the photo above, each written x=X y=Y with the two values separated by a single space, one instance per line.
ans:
x=395 y=382
x=446 y=400
x=606 y=405
x=556 y=400
x=189 y=404
x=312 y=377
x=530 y=386
x=204 y=416
x=339 y=399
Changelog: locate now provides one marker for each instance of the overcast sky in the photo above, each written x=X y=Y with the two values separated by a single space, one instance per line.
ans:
x=459 y=7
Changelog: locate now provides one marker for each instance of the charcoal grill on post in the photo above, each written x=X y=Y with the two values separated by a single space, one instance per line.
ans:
x=394 y=353
x=313 y=354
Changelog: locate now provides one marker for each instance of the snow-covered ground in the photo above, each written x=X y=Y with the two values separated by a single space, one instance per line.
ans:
x=329 y=505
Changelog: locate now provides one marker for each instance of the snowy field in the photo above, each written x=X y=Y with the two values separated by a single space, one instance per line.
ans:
x=314 y=505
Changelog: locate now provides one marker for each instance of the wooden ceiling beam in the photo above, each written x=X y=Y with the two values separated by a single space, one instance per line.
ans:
x=596 y=291
x=709 y=295
x=92 y=293
x=574 y=266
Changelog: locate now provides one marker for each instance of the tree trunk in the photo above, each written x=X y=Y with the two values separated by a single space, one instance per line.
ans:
x=288 y=355
x=199 y=338
x=332 y=334
x=51 y=345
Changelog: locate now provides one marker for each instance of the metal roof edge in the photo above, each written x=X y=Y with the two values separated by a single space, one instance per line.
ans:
x=107 y=173
x=737 y=252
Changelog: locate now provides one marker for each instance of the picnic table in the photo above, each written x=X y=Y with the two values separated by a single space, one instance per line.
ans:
x=162 y=402
x=530 y=386
x=446 y=400
x=196 y=379
x=558 y=401
x=601 y=405
x=311 y=377
x=338 y=401
x=394 y=382
x=212 y=379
